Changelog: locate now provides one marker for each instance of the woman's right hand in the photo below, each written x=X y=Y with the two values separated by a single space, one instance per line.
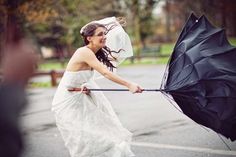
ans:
x=85 y=90
x=134 y=88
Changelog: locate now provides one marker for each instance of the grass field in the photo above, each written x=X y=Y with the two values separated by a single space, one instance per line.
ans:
x=232 y=41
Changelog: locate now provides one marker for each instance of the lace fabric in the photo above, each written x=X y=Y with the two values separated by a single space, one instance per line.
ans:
x=87 y=123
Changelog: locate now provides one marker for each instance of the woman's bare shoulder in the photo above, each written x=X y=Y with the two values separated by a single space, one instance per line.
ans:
x=84 y=51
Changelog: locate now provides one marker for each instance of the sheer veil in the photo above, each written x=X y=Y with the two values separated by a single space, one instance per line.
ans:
x=117 y=40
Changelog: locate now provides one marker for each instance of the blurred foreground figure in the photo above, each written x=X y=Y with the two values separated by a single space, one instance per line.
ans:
x=17 y=67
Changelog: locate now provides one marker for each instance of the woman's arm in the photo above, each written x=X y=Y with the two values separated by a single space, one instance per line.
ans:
x=89 y=57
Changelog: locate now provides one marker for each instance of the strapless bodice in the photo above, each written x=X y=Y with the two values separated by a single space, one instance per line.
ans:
x=71 y=79
x=77 y=78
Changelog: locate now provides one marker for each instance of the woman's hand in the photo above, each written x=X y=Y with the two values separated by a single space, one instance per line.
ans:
x=85 y=90
x=122 y=21
x=134 y=88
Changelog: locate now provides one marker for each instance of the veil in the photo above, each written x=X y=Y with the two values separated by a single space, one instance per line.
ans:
x=117 y=40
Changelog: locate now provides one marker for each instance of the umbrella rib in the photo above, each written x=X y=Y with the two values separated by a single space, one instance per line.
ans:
x=218 y=30
x=224 y=141
x=200 y=45
x=200 y=59
x=174 y=61
x=182 y=111
x=185 y=96
x=233 y=97
x=191 y=21
x=183 y=78
x=183 y=36
x=182 y=53
x=164 y=78
x=171 y=100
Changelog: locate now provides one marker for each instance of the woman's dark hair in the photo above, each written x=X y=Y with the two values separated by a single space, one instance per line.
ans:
x=104 y=54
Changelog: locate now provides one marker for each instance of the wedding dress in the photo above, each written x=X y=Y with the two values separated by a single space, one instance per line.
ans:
x=87 y=123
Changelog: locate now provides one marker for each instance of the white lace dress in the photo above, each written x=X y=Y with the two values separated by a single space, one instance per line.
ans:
x=87 y=123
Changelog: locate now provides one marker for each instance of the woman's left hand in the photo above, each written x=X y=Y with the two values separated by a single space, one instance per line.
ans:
x=85 y=90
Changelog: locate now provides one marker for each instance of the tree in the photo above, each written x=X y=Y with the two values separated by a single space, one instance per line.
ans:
x=20 y=17
x=11 y=25
x=141 y=13
x=221 y=13
x=42 y=22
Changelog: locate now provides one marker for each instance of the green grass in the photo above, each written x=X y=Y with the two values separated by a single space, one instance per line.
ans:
x=55 y=65
x=40 y=85
x=146 y=61
x=167 y=48
x=232 y=41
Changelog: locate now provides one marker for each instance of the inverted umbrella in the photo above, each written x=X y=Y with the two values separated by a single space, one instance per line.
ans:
x=201 y=76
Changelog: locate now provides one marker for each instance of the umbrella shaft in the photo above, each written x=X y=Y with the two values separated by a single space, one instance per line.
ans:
x=120 y=90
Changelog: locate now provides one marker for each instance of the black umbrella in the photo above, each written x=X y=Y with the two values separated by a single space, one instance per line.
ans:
x=201 y=76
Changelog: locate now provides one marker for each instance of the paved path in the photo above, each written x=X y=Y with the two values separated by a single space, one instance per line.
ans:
x=159 y=129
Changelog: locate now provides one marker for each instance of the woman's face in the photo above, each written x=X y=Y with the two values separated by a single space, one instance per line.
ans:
x=99 y=37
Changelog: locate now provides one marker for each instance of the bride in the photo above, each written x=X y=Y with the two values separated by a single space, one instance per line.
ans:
x=86 y=120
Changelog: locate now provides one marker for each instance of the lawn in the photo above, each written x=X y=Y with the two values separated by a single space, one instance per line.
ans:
x=232 y=41
x=51 y=65
x=167 y=48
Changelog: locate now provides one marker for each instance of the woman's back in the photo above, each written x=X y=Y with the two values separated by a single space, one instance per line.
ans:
x=77 y=62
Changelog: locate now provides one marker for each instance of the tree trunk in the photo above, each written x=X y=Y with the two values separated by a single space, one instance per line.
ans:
x=223 y=15
x=137 y=36
x=136 y=26
x=2 y=33
x=234 y=25
x=168 y=31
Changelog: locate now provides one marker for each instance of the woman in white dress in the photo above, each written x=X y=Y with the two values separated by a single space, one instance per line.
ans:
x=86 y=120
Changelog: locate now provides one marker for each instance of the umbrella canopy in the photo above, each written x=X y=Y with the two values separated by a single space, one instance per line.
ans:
x=201 y=76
